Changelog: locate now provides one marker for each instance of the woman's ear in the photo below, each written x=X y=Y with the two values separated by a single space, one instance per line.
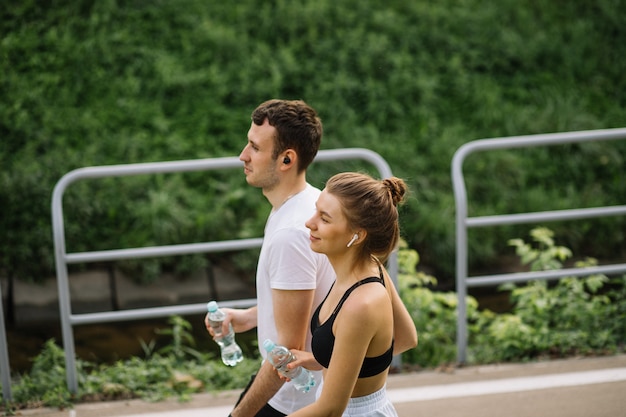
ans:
x=357 y=238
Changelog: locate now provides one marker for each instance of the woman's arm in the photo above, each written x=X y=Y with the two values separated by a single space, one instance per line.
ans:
x=404 y=332
x=354 y=330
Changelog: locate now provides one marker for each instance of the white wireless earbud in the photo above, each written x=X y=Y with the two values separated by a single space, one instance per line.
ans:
x=354 y=239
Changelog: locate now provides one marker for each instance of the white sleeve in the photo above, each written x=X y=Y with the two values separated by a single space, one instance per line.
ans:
x=292 y=263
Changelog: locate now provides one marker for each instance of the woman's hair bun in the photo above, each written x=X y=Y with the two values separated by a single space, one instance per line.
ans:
x=397 y=189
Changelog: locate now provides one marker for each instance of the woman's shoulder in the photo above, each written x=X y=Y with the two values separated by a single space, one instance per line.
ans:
x=366 y=301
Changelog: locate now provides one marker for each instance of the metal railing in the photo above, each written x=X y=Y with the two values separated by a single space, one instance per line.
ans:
x=62 y=258
x=463 y=222
x=5 y=369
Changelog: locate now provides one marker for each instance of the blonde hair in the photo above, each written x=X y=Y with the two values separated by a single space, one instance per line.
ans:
x=370 y=204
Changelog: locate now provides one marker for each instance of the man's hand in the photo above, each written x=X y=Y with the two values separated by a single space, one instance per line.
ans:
x=241 y=320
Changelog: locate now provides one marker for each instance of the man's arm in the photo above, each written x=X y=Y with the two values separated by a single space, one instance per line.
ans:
x=292 y=310
x=265 y=385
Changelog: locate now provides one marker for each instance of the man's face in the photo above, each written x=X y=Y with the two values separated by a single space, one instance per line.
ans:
x=260 y=167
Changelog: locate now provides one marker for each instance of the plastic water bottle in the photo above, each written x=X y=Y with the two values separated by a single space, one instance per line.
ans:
x=279 y=356
x=231 y=352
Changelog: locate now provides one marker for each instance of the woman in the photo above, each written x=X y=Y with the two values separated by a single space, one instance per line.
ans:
x=362 y=322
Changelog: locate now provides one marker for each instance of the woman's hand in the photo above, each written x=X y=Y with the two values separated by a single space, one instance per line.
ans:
x=305 y=360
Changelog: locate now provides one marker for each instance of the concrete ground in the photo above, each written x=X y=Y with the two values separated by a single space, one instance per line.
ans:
x=580 y=387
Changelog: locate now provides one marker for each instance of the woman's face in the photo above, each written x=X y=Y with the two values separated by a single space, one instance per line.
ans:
x=330 y=232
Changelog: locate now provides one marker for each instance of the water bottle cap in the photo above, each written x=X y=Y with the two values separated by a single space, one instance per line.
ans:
x=211 y=306
x=268 y=345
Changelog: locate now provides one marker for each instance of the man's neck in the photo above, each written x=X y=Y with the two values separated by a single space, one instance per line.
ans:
x=279 y=195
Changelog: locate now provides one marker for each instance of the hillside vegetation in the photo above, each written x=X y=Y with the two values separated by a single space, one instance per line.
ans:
x=113 y=82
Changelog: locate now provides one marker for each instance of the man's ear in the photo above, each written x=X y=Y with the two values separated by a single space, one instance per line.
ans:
x=288 y=158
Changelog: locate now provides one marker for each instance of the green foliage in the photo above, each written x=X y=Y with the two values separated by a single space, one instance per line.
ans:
x=159 y=377
x=176 y=370
x=45 y=384
x=182 y=340
x=98 y=83
x=546 y=256
x=575 y=316
x=433 y=312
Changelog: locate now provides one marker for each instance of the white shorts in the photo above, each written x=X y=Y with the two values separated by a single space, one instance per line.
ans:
x=376 y=404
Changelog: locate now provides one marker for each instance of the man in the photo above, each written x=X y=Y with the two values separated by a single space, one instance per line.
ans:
x=291 y=279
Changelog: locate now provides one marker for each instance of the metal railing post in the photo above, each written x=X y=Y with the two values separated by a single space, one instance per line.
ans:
x=5 y=369
x=463 y=281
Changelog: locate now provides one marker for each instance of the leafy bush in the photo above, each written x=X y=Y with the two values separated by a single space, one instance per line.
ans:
x=175 y=370
x=433 y=312
x=98 y=83
x=44 y=384
x=574 y=316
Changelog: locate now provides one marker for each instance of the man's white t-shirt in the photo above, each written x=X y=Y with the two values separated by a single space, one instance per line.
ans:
x=286 y=262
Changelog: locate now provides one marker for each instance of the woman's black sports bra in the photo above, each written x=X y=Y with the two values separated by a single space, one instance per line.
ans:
x=323 y=341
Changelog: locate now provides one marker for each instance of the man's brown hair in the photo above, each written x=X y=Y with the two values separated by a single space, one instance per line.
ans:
x=297 y=125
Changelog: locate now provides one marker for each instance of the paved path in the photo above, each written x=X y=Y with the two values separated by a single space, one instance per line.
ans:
x=590 y=387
